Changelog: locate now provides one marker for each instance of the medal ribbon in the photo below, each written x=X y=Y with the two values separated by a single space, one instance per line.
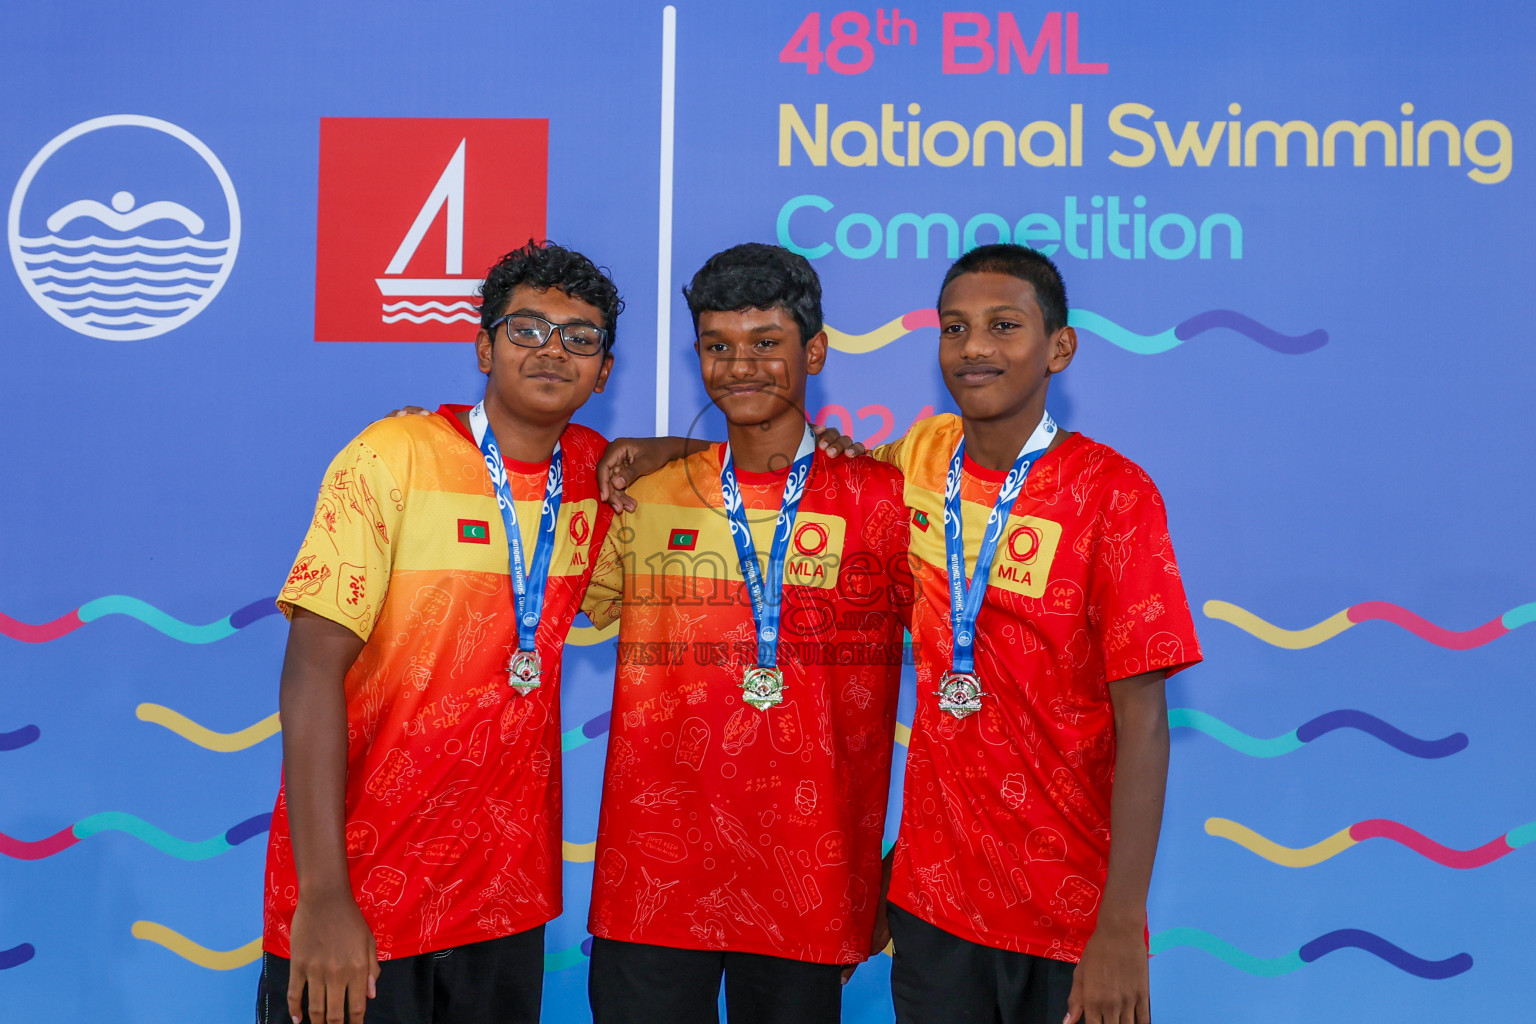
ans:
x=965 y=601
x=527 y=582
x=765 y=612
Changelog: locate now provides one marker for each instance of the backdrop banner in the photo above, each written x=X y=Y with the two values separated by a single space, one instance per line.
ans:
x=1296 y=241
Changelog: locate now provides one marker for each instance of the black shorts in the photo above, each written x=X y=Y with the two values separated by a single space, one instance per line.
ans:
x=940 y=978
x=636 y=983
x=498 y=980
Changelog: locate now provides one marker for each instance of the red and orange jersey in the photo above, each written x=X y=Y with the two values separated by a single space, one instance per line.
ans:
x=453 y=778
x=1005 y=816
x=724 y=826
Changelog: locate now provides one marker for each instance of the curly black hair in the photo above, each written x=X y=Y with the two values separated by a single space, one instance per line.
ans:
x=1024 y=263
x=757 y=276
x=547 y=265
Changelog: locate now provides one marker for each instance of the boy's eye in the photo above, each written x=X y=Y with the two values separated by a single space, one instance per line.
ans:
x=954 y=329
x=1005 y=325
x=767 y=342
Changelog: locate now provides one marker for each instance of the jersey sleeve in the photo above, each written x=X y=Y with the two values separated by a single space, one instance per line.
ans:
x=892 y=453
x=605 y=591
x=1136 y=596
x=342 y=570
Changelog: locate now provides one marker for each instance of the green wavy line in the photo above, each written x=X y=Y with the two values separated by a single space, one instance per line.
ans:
x=561 y=959
x=1141 y=344
x=186 y=632
x=1216 y=729
x=119 y=821
x=1221 y=949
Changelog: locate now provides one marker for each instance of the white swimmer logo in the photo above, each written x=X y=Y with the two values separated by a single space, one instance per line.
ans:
x=122 y=270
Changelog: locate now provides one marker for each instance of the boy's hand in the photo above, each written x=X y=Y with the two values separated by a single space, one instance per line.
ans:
x=626 y=460
x=334 y=953
x=1110 y=983
x=409 y=410
x=835 y=443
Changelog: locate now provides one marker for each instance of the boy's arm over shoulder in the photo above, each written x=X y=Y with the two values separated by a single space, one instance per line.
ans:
x=604 y=599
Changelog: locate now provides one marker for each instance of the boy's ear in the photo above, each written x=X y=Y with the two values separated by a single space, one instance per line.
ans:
x=816 y=353
x=483 y=345
x=1063 y=348
x=602 y=375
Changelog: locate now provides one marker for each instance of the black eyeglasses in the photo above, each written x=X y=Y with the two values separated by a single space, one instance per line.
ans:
x=528 y=331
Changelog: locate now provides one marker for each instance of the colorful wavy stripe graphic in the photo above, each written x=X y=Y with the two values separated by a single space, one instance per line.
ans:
x=1086 y=320
x=192 y=732
x=22 y=737
x=202 y=956
x=1276 y=966
x=117 y=821
x=117 y=604
x=240 y=956
x=189 y=633
x=1375 y=828
x=16 y=956
x=1311 y=636
x=1344 y=718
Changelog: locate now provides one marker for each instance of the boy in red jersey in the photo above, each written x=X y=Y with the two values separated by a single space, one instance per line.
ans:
x=1041 y=716
x=754 y=707
x=419 y=819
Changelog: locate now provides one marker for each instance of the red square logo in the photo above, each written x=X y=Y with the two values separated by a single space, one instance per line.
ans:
x=413 y=211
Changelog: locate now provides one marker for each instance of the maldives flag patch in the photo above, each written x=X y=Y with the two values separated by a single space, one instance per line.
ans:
x=474 y=531
x=682 y=540
x=920 y=520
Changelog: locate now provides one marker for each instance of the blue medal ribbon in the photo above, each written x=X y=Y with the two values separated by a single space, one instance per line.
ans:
x=527 y=580
x=765 y=611
x=965 y=601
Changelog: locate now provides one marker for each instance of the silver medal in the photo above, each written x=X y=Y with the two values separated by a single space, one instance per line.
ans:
x=524 y=670
x=960 y=693
x=762 y=687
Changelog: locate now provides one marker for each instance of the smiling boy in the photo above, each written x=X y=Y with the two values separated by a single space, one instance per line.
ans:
x=418 y=823
x=760 y=589
x=1049 y=611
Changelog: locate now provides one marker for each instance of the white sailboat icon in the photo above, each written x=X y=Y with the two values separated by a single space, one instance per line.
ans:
x=447 y=197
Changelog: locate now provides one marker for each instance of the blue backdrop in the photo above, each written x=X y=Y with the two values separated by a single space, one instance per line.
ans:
x=1325 y=366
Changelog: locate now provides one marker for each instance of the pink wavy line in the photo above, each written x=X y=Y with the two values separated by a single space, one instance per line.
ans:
x=38 y=849
x=920 y=318
x=42 y=632
x=1457 y=641
x=1383 y=828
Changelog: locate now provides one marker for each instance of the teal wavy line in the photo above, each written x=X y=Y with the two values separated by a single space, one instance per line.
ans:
x=119 y=821
x=186 y=632
x=1141 y=344
x=1216 y=729
x=1221 y=949
x=573 y=738
x=1519 y=837
x=1521 y=616
x=561 y=959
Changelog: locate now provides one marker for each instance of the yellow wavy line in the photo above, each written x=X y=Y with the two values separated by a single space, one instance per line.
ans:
x=1305 y=857
x=223 y=742
x=586 y=636
x=904 y=734
x=859 y=344
x=578 y=853
x=213 y=959
x=1291 y=639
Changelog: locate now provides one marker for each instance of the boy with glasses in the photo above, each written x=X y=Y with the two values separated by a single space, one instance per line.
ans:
x=415 y=851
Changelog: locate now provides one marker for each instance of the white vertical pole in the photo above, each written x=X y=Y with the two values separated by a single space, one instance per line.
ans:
x=664 y=226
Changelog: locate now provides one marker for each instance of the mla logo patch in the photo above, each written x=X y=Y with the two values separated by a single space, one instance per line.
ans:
x=412 y=213
x=474 y=531
x=580 y=528
x=811 y=539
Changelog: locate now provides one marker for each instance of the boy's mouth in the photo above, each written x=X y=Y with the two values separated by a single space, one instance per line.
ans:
x=978 y=373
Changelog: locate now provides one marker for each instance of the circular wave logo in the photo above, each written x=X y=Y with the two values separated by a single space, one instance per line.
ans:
x=124 y=227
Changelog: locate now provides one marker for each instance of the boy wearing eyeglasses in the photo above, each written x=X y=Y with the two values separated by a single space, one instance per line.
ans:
x=415 y=850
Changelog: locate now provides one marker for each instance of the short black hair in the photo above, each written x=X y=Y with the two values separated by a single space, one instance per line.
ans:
x=757 y=276
x=1024 y=263
x=545 y=265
